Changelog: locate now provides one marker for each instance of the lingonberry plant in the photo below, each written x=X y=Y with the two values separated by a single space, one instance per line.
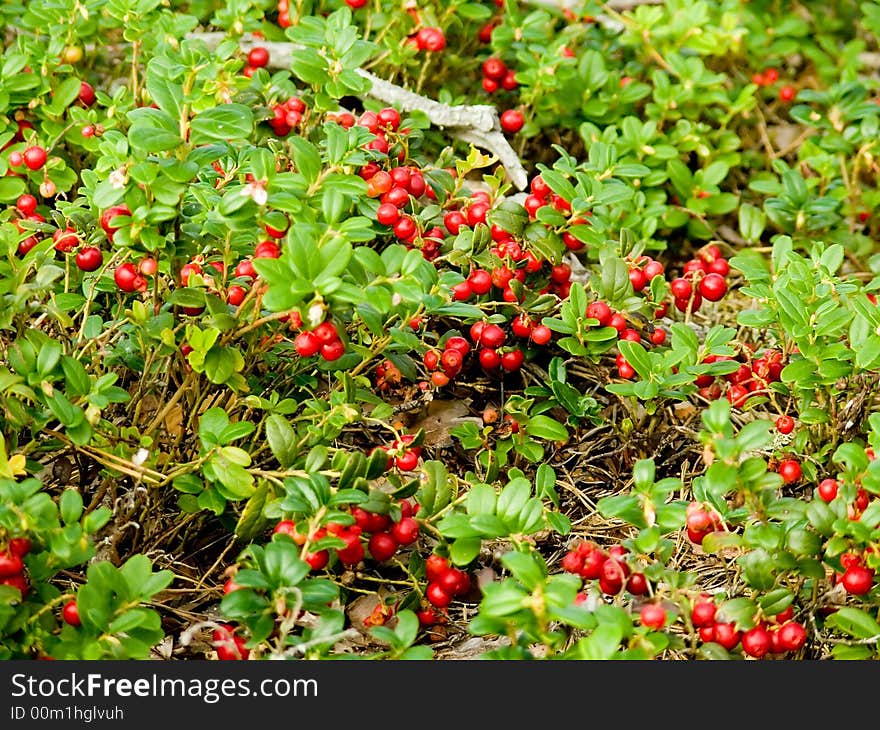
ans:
x=360 y=330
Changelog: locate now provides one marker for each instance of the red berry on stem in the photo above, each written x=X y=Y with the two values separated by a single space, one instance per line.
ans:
x=713 y=287
x=653 y=616
x=70 y=613
x=790 y=471
x=828 y=489
x=406 y=531
x=35 y=157
x=858 y=580
x=512 y=121
x=756 y=642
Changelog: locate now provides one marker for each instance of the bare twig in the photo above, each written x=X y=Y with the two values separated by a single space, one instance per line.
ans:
x=477 y=124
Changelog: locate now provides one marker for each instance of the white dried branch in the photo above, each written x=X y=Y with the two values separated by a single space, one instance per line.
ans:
x=477 y=124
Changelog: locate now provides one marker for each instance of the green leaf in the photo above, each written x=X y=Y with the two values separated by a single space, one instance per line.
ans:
x=547 y=428
x=251 y=521
x=526 y=568
x=71 y=506
x=282 y=439
x=602 y=644
x=481 y=500
x=465 y=549
x=854 y=622
x=224 y=123
x=740 y=611
x=306 y=158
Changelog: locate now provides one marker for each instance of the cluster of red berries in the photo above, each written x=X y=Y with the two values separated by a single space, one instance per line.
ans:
x=497 y=75
x=701 y=521
x=753 y=376
x=429 y=38
x=323 y=339
x=770 y=76
x=590 y=562
x=857 y=578
x=388 y=375
x=258 y=57
x=12 y=564
x=606 y=317
x=26 y=207
x=828 y=490
x=286 y=115
x=33 y=157
x=402 y=453
x=778 y=636
x=445 y=582
x=284 y=13
x=228 y=644
x=540 y=195
x=703 y=277
x=385 y=536
x=446 y=365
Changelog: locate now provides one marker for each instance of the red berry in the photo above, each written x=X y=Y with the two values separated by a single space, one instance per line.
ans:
x=713 y=287
x=332 y=350
x=512 y=360
x=787 y=93
x=407 y=461
x=703 y=614
x=437 y=596
x=451 y=362
x=462 y=292
x=86 y=94
x=26 y=204
x=70 y=613
x=790 y=471
x=235 y=295
x=512 y=121
x=431 y=39
x=107 y=217
x=541 y=335
x=600 y=311
x=492 y=336
x=480 y=281
x=19 y=546
x=561 y=273
x=318 y=560
x=726 y=635
x=228 y=645
x=756 y=642
x=406 y=531
x=267 y=250
x=785 y=424
x=637 y=584
x=388 y=214
x=306 y=344
x=326 y=333
x=10 y=564
x=460 y=344
x=792 y=636
x=828 y=489
x=858 y=580
x=653 y=615
x=258 y=57
x=128 y=279
x=35 y=157
x=681 y=288
x=89 y=258
x=494 y=68
x=435 y=566
x=489 y=358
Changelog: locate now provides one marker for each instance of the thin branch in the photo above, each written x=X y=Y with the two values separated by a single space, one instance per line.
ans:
x=477 y=124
